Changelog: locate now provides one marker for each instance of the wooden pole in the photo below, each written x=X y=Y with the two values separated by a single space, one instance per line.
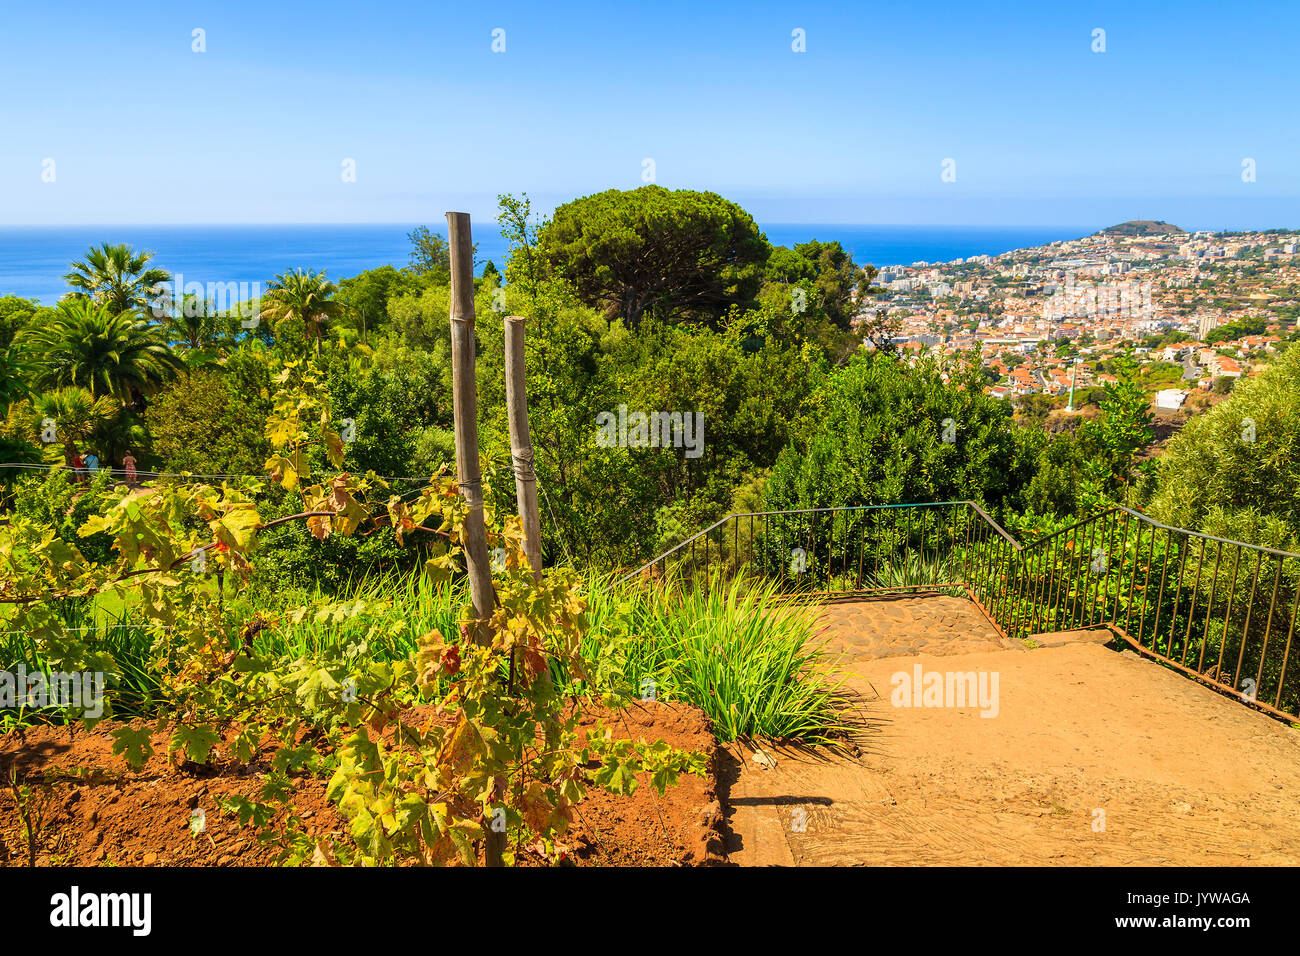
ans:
x=521 y=443
x=468 y=475
x=465 y=410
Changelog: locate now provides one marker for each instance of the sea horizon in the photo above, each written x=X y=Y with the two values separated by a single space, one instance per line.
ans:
x=34 y=259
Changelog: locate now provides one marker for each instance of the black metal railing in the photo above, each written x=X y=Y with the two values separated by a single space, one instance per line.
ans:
x=1221 y=611
x=871 y=548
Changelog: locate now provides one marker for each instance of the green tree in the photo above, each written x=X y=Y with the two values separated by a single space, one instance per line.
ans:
x=398 y=401
x=748 y=378
x=813 y=293
x=1060 y=484
x=108 y=353
x=879 y=329
x=1035 y=407
x=15 y=373
x=1237 y=466
x=419 y=320
x=1124 y=428
x=304 y=299
x=15 y=376
x=671 y=253
x=196 y=323
x=881 y=432
x=365 y=297
x=1235 y=330
x=117 y=277
x=57 y=501
x=213 y=420
x=15 y=315
x=839 y=282
x=431 y=255
x=744 y=404
x=15 y=451
x=67 y=417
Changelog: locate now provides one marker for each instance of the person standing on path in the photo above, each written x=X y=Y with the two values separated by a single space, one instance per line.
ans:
x=128 y=467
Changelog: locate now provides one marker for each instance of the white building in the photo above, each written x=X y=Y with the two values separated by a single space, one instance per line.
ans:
x=1170 y=399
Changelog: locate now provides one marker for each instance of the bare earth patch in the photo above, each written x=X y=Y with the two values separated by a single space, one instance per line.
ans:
x=1184 y=775
x=99 y=812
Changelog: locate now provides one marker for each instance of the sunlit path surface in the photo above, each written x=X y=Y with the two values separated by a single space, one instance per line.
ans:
x=1093 y=757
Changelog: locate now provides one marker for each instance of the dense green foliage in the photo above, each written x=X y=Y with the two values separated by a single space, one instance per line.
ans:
x=211 y=421
x=109 y=353
x=646 y=301
x=485 y=759
x=676 y=254
x=678 y=368
x=15 y=315
x=1235 y=330
x=1235 y=471
x=881 y=432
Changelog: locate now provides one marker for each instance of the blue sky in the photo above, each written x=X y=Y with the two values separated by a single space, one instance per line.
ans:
x=1042 y=129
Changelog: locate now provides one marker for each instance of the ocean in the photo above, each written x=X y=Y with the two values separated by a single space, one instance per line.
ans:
x=34 y=259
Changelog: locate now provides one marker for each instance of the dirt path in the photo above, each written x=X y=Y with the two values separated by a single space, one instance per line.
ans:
x=1180 y=774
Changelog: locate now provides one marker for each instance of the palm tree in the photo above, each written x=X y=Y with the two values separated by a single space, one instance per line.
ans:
x=116 y=276
x=68 y=416
x=107 y=353
x=195 y=322
x=15 y=371
x=301 y=296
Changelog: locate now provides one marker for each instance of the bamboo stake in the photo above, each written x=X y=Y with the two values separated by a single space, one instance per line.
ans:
x=465 y=409
x=468 y=475
x=521 y=443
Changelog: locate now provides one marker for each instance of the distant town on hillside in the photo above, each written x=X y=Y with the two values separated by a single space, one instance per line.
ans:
x=1197 y=311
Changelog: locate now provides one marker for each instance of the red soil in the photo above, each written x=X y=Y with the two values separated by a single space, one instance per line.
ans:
x=100 y=812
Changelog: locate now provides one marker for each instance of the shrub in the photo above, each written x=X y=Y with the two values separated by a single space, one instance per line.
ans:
x=1241 y=458
x=883 y=433
x=55 y=500
x=212 y=420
